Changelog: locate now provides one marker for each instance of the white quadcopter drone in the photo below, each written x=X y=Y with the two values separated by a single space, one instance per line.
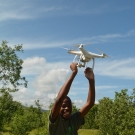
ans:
x=85 y=56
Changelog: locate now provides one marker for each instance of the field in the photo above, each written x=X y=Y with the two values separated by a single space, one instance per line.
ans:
x=88 y=132
x=81 y=132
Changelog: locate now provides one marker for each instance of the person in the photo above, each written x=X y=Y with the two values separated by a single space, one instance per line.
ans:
x=61 y=119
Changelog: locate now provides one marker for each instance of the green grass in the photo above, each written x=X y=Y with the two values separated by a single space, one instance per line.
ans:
x=80 y=132
x=6 y=130
x=5 y=133
x=41 y=129
x=88 y=132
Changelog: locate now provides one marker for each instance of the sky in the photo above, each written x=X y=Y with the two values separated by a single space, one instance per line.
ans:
x=44 y=26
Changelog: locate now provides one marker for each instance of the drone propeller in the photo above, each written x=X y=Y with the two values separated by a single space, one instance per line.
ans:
x=106 y=56
x=65 y=48
x=82 y=44
x=99 y=50
x=103 y=53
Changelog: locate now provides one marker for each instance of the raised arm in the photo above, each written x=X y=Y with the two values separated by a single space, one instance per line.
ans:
x=64 y=92
x=91 y=93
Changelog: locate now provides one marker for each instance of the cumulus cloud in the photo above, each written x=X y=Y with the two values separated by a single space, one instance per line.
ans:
x=47 y=78
x=45 y=81
x=34 y=65
x=48 y=81
x=78 y=103
x=122 y=68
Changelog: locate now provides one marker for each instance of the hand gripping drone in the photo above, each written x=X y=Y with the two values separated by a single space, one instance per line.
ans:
x=85 y=56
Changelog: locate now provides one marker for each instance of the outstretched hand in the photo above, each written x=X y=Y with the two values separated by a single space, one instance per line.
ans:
x=89 y=73
x=73 y=67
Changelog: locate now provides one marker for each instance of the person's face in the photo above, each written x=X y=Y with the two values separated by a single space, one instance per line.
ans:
x=66 y=108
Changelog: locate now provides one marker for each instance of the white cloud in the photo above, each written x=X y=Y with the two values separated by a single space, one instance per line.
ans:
x=45 y=81
x=52 y=96
x=48 y=78
x=79 y=103
x=14 y=10
x=33 y=65
x=17 y=9
x=48 y=42
x=110 y=37
x=22 y=10
x=103 y=87
x=122 y=68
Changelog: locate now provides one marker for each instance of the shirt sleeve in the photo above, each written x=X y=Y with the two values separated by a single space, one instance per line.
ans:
x=77 y=120
x=51 y=122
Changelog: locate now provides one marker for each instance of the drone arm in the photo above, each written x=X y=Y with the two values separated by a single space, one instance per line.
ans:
x=93 y=63
x=74 y=58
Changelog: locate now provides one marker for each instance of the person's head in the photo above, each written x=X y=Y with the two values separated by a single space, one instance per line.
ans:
x=66 y=108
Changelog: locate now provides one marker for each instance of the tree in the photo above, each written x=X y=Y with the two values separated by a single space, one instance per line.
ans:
x=117 y=117
x=10 y=67
x=74 y=108
x=123 y=115
x=90 y=118
x=104 y=115
x=29 y=118
x=7 y=108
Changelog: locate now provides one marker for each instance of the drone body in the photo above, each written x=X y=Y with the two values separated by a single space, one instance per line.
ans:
x=85 y=56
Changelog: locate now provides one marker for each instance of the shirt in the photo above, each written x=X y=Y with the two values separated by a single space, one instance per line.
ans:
x=66 y=127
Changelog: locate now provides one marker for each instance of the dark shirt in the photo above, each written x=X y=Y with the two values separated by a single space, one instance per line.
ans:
x=66 y=127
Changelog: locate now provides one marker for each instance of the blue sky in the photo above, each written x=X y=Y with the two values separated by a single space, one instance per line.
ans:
x=44 y=26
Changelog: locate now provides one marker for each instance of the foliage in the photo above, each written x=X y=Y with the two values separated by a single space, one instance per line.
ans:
x=103 y=116
x=117 y=117
x=7 y=108
x=112 y=117
x=90 y=118
x=28 y=119
x=1 y=120
x=74 y=108
x=44 y=129
x=25 y=120
x=10 y=67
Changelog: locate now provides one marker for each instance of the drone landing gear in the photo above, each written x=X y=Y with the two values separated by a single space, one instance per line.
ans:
x=81 y=65
x=93 y=64
x=84 y=64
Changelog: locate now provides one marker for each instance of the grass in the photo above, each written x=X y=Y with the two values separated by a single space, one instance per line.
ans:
x=5 y=133
x=41 y=129
x=88 y=132
x=80 y=132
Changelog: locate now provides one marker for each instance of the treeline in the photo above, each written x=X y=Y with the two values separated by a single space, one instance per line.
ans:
x=113 y=117
x=20 y=119
x=110 y=117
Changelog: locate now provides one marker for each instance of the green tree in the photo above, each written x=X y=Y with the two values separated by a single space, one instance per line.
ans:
x=123 y=114
x=90 y=118
x=10 y=67
x=74 y=108
x=117 y=117
x=28 y=119
x=7 y=108
x=104 y=115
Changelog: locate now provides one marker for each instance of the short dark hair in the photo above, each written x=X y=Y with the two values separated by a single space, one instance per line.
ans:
x=68 y=97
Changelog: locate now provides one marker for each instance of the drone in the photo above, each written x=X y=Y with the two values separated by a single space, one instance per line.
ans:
x=85 y=56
